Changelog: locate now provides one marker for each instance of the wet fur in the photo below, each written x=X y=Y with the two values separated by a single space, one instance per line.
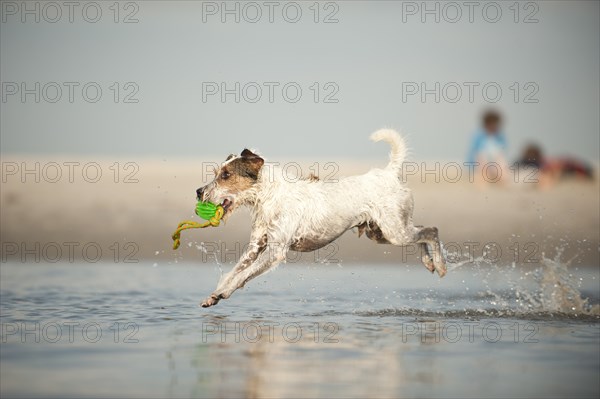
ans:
x=308 y=214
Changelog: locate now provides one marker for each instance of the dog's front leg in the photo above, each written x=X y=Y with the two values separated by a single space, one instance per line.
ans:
x=258 y=243
x=240 y=275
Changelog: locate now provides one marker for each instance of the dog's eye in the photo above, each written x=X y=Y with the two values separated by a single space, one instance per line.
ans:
x=225 y=175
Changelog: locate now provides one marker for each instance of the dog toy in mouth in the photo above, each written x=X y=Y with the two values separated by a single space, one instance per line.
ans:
x=206 y=210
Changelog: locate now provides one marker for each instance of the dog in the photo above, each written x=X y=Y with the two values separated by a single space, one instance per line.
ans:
x=306 y=215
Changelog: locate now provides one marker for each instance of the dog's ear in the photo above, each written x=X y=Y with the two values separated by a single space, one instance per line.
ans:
x=229 y=157
x=248 y=153
x=253 y=161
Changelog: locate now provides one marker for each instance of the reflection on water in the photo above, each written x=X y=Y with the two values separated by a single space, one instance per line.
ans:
x=301 y=331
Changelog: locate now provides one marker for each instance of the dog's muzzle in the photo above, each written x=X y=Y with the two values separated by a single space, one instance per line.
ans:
x=226 y=204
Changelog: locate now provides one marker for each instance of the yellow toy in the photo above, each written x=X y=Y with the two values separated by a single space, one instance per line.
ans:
x=206 y=210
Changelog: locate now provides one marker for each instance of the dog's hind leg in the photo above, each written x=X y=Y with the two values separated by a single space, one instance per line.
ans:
x=433 y=258
x=374 y=233
x=425 y=237
x=426 y=258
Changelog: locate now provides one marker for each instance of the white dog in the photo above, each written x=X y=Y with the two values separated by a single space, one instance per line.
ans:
x=308 y=214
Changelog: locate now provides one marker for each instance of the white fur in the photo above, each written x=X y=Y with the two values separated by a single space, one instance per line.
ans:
x=320 y=211
x=398 y=153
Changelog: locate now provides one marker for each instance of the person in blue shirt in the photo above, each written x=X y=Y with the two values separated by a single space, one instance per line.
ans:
x=489 y=146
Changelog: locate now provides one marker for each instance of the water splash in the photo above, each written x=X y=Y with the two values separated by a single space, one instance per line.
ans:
x=549 y=289
x=202 y=247
x=557 y=289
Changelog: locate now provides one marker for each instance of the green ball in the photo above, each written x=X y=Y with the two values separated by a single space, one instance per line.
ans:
x=206 y=210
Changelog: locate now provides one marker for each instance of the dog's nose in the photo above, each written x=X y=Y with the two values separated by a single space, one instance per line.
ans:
x=200 y=193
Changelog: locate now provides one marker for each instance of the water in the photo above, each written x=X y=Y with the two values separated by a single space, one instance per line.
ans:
x=300 y=331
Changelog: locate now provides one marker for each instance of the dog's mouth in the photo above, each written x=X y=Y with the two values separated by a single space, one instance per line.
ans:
x=226 y=204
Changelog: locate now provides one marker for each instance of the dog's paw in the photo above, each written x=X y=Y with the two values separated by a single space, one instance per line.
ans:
x=442 y=270
x=210 y=301
x=428 y=263
x=433 y=266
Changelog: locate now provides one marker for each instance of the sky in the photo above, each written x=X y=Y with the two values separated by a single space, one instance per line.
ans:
x=295 y=79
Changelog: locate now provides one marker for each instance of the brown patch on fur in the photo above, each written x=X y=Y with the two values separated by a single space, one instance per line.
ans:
x=249 y=164
x=240 y=173
x=233 y=179
x=361 y=229
x=312 y=177
x=373 y=232
x=252 y=255
x=308 y=244
x=247 y=153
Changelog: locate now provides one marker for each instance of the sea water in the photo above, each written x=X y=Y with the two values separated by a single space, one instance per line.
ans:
x=318 y=330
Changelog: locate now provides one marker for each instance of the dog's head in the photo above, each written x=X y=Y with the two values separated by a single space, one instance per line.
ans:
x=234 y=182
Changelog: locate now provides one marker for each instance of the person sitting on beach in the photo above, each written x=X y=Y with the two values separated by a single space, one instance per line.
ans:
x=552 y=170
x=489 y=146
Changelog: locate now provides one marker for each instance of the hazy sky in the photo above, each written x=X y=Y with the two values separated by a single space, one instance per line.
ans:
x=371 y=61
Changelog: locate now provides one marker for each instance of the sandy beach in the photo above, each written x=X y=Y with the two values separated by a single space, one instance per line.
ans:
x=128 y=212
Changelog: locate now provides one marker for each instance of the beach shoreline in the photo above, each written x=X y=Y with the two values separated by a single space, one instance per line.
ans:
x=131 y=211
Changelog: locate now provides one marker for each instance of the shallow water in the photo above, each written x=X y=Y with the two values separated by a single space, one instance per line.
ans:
x=300 y=331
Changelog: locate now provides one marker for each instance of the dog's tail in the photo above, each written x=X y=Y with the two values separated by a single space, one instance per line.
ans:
x=396 y=141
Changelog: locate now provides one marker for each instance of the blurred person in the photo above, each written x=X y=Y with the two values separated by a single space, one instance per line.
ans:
x=488 y=145
x=552 y=170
